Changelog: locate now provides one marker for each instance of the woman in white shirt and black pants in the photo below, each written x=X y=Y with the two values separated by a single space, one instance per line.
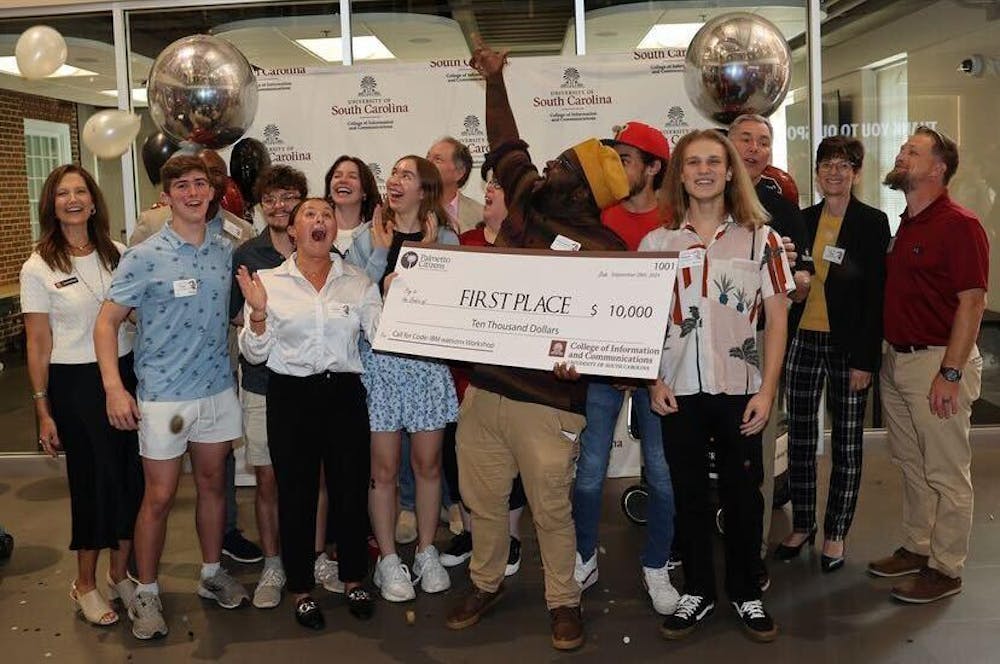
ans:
x=303 y=318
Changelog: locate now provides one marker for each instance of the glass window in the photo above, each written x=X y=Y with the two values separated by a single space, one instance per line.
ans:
x=46 y=145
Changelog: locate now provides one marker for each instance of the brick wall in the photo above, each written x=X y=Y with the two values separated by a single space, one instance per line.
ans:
x=15 y=220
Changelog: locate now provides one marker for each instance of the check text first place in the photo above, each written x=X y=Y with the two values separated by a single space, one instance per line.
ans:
x=511 y=301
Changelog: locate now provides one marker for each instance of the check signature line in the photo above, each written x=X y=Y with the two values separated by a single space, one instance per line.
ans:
x=427 y=343
x=512 y=333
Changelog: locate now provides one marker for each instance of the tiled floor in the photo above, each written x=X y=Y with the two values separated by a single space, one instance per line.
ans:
x=841 y=618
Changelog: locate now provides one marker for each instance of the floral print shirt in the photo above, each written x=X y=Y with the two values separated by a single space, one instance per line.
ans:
x=711 y=342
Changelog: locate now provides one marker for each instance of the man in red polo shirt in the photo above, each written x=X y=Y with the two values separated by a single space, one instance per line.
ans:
x=935 y=293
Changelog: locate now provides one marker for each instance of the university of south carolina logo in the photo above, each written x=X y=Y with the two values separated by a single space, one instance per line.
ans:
x=675 y=117
x=571 y=78
x=408 y=260
x=272 y=135
x=376 y=170
x=369 y=87
x=472 y=126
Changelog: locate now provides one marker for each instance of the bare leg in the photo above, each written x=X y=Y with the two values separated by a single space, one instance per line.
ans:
x=266 y=507
x=209 y=462
x=151 y=523
x=515 y=522
x=382 y=494
x=86 y=570
x=118 y=569
x=426 y=458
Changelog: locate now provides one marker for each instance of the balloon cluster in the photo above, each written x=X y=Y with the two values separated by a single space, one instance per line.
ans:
x=737 y=63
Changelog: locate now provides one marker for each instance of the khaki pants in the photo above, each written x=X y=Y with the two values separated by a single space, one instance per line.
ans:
x=933 y=455
x=497 y=438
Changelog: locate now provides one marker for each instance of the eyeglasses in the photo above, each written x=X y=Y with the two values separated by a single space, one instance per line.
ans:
x=271 y=201
x=494 y=184
x=569 y=166
x=838 y=166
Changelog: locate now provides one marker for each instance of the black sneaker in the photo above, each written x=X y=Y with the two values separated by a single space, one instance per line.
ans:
x=307 y=614
x=459 y=550
x=757 y=623
x=241 y=549
x=513 y=557
x=691 y=610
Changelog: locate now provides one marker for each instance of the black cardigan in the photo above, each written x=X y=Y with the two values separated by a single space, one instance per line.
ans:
x=854 y=288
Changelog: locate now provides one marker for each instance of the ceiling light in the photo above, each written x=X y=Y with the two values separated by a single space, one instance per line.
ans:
x=670 y=35
x=138 y=95
x=331 y=48
x=8 y=65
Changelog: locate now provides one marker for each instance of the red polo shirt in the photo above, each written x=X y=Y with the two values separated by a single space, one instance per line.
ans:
x=631 y=226
x=935 y=255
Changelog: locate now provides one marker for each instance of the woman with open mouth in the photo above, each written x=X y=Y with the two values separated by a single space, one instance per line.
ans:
x=304 y=318
x=408 y=393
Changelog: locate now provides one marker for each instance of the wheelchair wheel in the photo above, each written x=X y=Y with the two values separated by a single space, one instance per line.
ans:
x=6 y=546
x=635 y=504
x=720 y=522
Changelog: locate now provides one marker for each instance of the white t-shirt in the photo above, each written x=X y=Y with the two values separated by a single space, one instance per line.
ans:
x=345 y=237
x=72 y=301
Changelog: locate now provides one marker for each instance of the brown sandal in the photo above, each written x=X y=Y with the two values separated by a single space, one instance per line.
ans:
x=94 y=607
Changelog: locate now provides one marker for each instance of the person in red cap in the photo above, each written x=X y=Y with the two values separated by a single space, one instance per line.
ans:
x=644 y=153
x=522 y=420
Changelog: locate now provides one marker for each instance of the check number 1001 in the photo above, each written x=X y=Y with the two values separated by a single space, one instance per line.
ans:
x=625 y=311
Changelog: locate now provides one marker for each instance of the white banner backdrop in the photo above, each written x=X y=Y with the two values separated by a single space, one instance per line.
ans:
x=307 y=117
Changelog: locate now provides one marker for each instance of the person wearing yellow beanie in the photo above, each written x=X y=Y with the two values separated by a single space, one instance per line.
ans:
x=523 y=420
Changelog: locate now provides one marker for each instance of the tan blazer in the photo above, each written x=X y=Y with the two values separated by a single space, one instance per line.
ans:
x=151 y=221
x=470 y=212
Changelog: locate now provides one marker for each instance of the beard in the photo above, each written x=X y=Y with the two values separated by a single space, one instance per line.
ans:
x=635 y=188
x=897 y=180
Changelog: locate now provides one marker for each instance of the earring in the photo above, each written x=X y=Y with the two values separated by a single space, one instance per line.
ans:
x=93 y=211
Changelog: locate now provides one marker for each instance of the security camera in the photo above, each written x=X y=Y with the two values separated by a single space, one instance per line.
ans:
x=972 y=65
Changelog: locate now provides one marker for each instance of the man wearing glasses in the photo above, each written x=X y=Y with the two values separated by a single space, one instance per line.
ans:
x=279 y=189
x=937 y=273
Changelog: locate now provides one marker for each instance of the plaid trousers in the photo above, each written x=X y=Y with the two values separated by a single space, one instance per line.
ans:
x=812 y=359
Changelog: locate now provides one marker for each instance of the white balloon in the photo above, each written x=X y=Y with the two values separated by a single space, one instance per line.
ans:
x=40 y=51
x=109 y=134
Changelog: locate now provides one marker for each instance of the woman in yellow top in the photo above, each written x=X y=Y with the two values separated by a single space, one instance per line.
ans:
x=838 y=342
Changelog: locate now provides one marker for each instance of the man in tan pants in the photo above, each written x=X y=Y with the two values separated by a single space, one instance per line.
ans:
x=935 y=293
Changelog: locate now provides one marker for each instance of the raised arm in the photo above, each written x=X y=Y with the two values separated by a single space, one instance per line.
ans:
x=500 y=124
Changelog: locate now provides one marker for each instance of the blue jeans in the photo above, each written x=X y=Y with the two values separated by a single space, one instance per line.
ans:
x=603 y=405
x=408 y=484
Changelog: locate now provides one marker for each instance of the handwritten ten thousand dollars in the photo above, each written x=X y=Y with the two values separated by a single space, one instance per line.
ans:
x=603 y=312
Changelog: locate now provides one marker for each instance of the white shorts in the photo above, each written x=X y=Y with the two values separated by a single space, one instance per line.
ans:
x=214 y=419
x=255 y=427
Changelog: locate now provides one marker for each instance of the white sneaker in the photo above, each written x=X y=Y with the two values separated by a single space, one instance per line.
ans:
x=393 y=579
x=327 y=574
x=146 y=614
x=661 y=591
x=586 y=572
x=267 y=594
x=427 y=569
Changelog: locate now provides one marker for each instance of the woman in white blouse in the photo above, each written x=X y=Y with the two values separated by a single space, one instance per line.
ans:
x=714 y=382
x=63 y=284
x=304 y=318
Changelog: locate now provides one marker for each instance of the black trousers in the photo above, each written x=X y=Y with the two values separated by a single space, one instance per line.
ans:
x=314 y=419
x=738 y=461
x=102 y=463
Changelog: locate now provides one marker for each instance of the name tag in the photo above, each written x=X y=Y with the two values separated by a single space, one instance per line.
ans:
x=563 y=243
x=833 y=254
x=66 y=282
x=338 y=310
x=691 y=258
x=185 y=287
x=232 y=228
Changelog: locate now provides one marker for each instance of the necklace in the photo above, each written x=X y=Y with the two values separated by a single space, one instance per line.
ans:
x=100 y=274
x=79 y=247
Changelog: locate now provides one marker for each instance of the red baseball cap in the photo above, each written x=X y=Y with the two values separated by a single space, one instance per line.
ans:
x=645 y=138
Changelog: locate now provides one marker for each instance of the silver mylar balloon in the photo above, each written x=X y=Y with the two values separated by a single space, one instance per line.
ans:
x=737 y=63
x=201 y=89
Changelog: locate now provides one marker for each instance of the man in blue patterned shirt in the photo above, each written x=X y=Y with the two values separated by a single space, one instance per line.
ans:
x=178 y=283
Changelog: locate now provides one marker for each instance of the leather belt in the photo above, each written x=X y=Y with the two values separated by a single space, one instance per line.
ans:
x=901 y=348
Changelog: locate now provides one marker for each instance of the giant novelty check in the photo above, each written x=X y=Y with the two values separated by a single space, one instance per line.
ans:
x=603 y=312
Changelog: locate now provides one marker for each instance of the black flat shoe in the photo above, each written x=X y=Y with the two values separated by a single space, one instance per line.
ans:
x=307 y=614
x=830 y=564
x=785 y=552
x=360 y=603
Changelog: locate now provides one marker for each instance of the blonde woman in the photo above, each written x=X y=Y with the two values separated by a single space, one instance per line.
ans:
x=711 y=385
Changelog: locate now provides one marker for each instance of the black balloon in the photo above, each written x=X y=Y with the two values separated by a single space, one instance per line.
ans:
x=248 y=158
x=156 y=149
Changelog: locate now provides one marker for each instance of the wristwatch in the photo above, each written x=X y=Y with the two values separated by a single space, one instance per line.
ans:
x=950 y=374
